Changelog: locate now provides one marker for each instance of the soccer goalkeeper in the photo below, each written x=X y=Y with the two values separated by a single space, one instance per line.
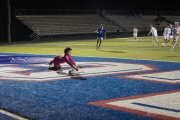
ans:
x=66 y=57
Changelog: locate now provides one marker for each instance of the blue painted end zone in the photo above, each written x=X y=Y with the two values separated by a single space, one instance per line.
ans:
x=68 y=99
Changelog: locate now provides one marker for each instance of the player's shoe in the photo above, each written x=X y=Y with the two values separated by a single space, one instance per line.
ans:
x=79 y=66
x=50 y=63
x=98 y=48
x=53 y=68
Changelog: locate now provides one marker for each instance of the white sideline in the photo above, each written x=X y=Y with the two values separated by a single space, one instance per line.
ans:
x=12 y=115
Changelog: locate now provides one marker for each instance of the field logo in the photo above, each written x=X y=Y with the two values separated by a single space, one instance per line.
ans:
x=40 y=72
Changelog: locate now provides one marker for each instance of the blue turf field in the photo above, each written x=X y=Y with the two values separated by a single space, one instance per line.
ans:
x=66 y=98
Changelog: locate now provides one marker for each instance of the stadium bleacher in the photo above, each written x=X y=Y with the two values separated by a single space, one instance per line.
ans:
x=88 y=23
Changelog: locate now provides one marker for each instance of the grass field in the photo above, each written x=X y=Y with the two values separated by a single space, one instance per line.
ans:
x=111 y=47
x=105 y=88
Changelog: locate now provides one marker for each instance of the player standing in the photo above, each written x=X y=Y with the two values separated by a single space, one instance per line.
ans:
x=154 y=34
x=135 y=33
x=166 y=35
x=101 y=34
x=176 y=32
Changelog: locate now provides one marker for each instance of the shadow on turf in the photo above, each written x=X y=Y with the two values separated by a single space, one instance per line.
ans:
x=78 y=78
x=172 y=56
x=113 y=51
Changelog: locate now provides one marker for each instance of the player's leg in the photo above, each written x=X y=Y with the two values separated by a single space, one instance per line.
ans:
x=56 y=66
x=177 y=41
x=51 y=62
x=136 y=38
x=165 y=39
x=168 y=39
x=100 y=42
x=173 y=44
x=97 y=43
x=153 y=40
x=156 y=39
x=54 y=60
x=163 y=44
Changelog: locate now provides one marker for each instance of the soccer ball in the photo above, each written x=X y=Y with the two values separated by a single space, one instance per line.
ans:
x=71 y=72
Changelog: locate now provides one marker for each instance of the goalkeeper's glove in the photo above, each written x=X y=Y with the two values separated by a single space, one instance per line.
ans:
x=75 y=67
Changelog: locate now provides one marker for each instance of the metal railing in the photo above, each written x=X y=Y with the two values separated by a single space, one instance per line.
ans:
x=35 y=35
x=53 y=12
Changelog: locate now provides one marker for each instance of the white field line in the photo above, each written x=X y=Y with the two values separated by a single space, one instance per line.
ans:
x=12 y=115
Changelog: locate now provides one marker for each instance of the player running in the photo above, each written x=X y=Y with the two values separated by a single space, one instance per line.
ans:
x=166 y=35
x=154 y=34
x=135 y=33
x=66 y=57
x=101 y=34
x=171 y=32
x=176 y=32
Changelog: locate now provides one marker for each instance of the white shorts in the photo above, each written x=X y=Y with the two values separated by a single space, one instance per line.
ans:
x=154 y=37
x=99 y=38
x=175 y=38
x=171 y=36
x=135 y=34
x=166 y=36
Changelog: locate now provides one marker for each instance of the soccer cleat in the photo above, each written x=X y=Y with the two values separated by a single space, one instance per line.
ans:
x=97 y=48
x=79 y=66
x=50 y=63
x=162 y=44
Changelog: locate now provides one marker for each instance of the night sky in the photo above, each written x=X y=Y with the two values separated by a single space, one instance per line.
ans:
x=152 y=5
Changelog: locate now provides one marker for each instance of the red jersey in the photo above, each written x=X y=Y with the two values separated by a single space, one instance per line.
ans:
x=62 y=59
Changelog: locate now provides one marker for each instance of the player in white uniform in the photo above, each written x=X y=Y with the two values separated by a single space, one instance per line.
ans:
x=135 y=33
x=176 y=32
x=154 y=34
x=166 y=35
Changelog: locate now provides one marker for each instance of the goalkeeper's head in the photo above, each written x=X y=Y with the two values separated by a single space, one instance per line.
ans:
x=67 y=50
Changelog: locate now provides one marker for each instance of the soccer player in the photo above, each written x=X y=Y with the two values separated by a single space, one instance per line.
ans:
x=135 y=33
x=176 y=32
x=101 y=34
x=66 y=57
x=154 y=34
x=171 y=32
x=166 y=35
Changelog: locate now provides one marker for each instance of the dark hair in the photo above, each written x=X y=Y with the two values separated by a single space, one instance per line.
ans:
x=66 y=50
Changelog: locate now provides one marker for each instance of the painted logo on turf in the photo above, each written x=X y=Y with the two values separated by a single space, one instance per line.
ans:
x=40 y=72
